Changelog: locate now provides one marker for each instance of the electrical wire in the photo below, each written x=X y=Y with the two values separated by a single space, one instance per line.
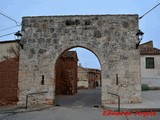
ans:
x=8 y=28
x=17 y=23
x=149 y=11
x=7 y=34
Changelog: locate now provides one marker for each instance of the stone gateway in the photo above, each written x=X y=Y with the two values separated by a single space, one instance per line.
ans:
x=112 y=38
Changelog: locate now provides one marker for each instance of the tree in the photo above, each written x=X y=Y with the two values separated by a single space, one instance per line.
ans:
x=13 y=51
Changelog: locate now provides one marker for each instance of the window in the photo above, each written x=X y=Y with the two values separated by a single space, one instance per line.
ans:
x=150 y=62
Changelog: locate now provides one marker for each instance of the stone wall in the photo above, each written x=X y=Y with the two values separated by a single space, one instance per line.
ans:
x=58 y=76
x=111 y=37
x=9 y=81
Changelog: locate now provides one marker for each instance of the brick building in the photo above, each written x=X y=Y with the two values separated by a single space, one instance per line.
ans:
x=9 y=81
x=9 y=63
x=94 y=77
x=66 y=73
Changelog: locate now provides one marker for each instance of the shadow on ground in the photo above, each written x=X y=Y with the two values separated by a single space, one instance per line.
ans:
x=83 y=98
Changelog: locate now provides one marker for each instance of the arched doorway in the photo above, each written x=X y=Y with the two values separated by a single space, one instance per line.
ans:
x=111 y=37
x=78 y=78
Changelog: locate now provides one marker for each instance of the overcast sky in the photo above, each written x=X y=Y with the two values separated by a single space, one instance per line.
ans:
x=16 y=9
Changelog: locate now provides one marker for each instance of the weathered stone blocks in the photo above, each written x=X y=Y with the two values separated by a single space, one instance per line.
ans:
x=111 y=37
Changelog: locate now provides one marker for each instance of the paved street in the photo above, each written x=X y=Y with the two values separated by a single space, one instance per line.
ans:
x=71 y=113
x=80 y=107
x=85 y=98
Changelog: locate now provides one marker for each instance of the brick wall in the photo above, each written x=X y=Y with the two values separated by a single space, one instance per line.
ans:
x=8 y=81
x=66 y=74
x=69 y=77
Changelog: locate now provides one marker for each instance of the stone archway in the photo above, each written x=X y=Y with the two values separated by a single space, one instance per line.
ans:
x=111 y=37
x=71 y=91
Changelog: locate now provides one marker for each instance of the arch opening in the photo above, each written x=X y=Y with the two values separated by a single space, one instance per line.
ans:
x=78 y=78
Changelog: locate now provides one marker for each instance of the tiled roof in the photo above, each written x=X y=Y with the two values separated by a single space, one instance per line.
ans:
x=93 y=69
x=149 y=51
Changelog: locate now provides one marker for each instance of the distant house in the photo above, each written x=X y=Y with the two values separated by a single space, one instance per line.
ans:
x=94 y=77
x=82 y=77
x=88 y=77
x=150 y=61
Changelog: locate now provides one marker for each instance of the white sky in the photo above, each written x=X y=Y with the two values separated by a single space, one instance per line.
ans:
x=16 y=9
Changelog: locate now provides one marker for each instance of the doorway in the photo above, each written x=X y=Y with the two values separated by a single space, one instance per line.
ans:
x=78 y=78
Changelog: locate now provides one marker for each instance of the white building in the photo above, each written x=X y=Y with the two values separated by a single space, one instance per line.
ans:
x=150 y=63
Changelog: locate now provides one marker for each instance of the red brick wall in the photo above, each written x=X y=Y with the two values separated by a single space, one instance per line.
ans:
x=8 y=81
x=69 y=76
x=66 y=76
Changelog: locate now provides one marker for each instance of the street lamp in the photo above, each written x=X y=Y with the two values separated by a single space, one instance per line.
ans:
x=18 y=37
x=139 y=35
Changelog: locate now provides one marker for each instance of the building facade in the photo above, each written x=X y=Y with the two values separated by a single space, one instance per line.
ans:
x=94 y=77
x=9 y=67
x=88 y=77
x=82 y=78
x=150 y=61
